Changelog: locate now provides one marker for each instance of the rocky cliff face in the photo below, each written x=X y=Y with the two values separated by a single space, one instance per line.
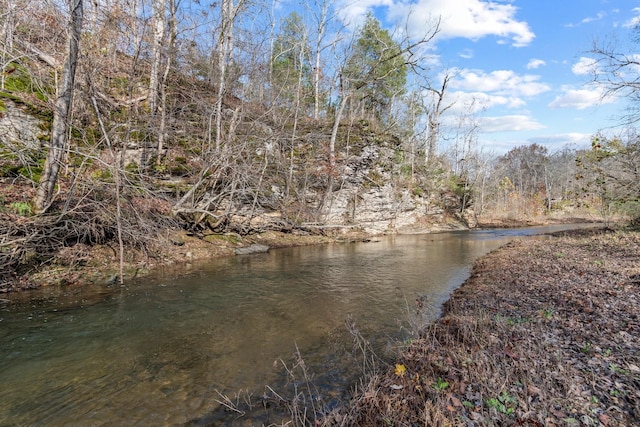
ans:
x=372 y=194
x=19 y=130
x=383 y=208
x=369 y=190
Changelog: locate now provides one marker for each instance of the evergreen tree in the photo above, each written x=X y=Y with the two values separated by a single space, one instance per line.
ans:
x=376 y=69
x=291 y=69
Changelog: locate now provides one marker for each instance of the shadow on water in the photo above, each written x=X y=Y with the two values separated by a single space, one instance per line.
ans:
x=166 y=349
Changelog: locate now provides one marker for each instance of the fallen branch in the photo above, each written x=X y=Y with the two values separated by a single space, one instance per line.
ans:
x=42 y=56
x=120 y=103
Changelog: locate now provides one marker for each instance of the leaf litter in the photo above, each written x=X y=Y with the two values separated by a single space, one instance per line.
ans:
x=545 y=332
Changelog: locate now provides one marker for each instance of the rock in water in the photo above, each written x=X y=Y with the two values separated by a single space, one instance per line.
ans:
x=252 y=249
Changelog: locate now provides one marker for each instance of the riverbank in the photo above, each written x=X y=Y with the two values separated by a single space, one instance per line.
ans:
x=85 y=266
x=544 y=333
x=98 y=264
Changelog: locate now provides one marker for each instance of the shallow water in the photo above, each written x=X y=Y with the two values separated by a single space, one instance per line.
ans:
x=158 y=351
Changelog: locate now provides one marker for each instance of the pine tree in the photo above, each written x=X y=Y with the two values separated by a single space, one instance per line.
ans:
x=291 y=61
x=376 y=69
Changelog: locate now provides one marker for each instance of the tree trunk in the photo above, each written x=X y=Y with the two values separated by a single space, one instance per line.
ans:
x=434 y=120
x=334 y=131
x=173 y=34
x=159 y=22
x=59 y=130
x=317 y=69
x=296 y=114
x=8 y=25
x=225 y=47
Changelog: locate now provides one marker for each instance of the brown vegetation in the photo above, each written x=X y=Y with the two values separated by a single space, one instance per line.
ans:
x=181 y=122
x=544 y=333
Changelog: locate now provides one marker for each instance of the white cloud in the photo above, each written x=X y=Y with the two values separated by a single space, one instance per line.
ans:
x=535 y=63
x=353 y=12
x=584 y=66
x=598 y=17
x=560 y=140
x=628 y=71
x=476 y=92
x=472 y=19
x=580 y=98
x=475 y=102
x=635 y=21
x=553 y=142
x=511 y=123
x=500 y=82
x=466 y=54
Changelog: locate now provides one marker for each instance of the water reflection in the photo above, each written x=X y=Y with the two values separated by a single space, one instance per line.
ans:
x=157 y=351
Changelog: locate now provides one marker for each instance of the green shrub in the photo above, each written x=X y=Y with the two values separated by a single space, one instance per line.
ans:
x=504 y=404
x=102 y=174
x=21 y=208
x=132 y=168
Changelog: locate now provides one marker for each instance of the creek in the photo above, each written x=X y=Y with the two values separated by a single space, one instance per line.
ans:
x=165 y=348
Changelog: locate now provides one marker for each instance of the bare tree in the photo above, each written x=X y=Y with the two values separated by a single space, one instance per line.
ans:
x=62 y=111
x=611 y=171
x=8 y=18
x=412 y=128
x=159 y=8
x=322 y=17
x=614 y=68
x=465 y=136
x=434 y=111
x=229 y=12
x=173 y=35
x=400 y=55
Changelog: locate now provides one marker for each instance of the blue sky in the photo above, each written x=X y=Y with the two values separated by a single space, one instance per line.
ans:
x=522 y=61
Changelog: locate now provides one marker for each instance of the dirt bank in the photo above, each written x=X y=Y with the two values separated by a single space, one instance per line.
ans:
x=544 y=333
x=84 y=265
x=40 y=264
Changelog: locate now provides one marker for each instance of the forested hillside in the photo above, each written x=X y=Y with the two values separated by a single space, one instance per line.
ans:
x=120 y=120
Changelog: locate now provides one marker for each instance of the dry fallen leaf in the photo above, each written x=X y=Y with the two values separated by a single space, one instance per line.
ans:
x=533 y=390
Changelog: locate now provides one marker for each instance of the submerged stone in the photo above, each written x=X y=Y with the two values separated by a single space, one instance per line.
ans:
x=252 y=249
